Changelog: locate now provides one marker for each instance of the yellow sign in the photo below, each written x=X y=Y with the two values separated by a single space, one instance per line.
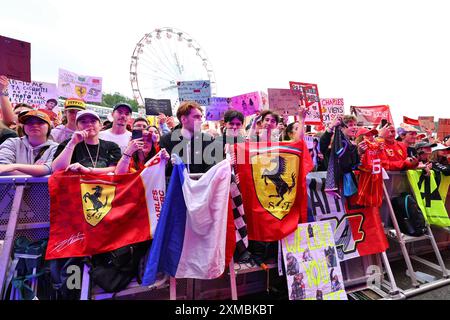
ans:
x=275 y=178
x=96 y=199
x=80 y=91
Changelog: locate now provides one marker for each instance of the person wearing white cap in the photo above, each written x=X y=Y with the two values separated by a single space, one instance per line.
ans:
x=119 y=133
x=440 y=158
x=85 y=152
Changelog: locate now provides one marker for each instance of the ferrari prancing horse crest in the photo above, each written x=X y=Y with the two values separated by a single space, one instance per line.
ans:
x=275 y=178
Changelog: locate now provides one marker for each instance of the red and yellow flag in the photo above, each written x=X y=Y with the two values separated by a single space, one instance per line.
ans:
x=91 y=214
x=273 y=186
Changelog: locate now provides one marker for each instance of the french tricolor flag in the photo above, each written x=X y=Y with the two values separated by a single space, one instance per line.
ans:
x=190 y=238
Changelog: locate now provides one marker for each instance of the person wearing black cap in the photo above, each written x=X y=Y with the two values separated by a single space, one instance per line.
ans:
x=118 y=133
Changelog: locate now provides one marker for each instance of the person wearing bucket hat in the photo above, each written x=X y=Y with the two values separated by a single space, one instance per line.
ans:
x=65 y=131
x=85 y=152
x=33 y=153
x=118 y=133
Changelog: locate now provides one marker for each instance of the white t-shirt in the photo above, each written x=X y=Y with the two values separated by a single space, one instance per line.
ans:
x=121 y=139
x=61 y=133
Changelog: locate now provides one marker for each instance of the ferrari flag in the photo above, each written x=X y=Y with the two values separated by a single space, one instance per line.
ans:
x=273 y=185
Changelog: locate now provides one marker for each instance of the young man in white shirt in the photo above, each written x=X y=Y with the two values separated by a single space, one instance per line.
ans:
x=119 y=133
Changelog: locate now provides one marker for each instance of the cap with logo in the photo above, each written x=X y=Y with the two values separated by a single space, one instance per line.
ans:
x=74 y=104
x=24 y=116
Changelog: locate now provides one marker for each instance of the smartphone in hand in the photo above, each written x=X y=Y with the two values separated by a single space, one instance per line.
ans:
x=136 y=134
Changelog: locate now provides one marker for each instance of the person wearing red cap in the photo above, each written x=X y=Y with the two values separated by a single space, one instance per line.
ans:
x=395 y=153
x=31 y=154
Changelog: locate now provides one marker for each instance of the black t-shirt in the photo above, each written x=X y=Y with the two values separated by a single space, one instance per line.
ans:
x=7 y=133
x=108 y=155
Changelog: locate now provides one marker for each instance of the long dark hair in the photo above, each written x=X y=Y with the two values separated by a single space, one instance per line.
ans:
x=289 y=129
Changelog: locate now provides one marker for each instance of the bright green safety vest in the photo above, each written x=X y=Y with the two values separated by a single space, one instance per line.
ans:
x=430 y=193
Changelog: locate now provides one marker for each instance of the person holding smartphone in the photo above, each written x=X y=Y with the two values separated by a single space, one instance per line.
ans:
x=142 y=147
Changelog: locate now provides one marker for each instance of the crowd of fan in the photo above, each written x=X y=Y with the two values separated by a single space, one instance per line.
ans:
x=37 y=142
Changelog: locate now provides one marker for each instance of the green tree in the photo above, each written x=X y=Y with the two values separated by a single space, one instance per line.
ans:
x=109 y=100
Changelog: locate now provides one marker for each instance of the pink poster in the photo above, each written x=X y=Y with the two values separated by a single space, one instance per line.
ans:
x=284 y=101
x=247 y=103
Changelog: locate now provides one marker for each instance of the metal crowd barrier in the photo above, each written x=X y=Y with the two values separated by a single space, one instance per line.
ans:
x=24 y=211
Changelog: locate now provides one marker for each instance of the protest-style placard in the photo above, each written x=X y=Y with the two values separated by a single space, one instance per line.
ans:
x=198 y=91
x=32 y=93
x=154 y=107
x=371 y=116
x=427 y=123
x=88 y=88
x=309 y=98
x=332 y=108
x=284 y=101
x=247 y=103
x=15 y=59
x=443 y=128
x=217 y=107
x=312 y=268
x=357 y=230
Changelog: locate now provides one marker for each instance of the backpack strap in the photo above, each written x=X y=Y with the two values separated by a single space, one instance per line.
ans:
x=41 y=153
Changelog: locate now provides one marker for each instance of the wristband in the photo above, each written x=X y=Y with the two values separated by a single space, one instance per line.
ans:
x=4 y=93
x=124 y=154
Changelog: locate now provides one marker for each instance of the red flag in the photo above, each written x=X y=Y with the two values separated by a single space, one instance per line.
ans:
x=410 y=121
x=371 y=116
x=273 y=187
x=367 y=230
x=91 y=214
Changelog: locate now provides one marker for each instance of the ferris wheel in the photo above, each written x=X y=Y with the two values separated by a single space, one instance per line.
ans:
x=161 y=59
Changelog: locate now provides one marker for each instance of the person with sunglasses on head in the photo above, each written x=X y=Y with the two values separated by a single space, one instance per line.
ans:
x=33 y=153
x=84 y=152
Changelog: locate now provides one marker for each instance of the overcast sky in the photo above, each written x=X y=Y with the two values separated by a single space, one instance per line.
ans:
x=368 y=52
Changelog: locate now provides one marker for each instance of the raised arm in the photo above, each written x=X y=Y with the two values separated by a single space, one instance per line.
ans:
x=7 y=111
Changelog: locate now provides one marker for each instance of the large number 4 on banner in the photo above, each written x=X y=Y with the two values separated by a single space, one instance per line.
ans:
x=349 y=231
